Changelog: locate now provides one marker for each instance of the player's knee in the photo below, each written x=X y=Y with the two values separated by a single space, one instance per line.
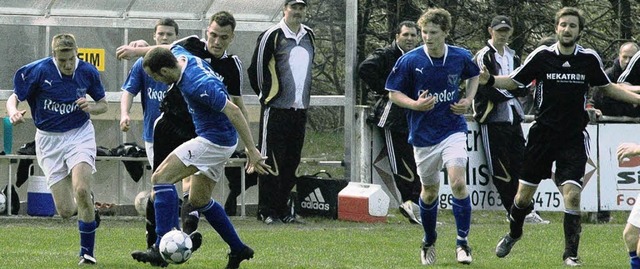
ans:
x=429 y=194
x=66 y=213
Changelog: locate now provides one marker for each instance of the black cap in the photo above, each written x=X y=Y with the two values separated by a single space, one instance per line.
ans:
x=500 y=21
x=291 y=2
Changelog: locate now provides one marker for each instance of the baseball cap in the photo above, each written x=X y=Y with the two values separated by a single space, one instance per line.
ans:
x=63 y=42
x=501 y=22
x=291 y=2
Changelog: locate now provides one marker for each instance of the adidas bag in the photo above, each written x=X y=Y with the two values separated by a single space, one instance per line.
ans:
x=318 y=195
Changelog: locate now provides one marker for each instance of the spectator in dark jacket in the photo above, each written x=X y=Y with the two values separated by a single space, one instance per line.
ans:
x=391 y=119
x=607 y=105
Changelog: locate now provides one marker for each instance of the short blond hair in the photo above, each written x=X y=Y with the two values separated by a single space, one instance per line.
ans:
x=63 y=42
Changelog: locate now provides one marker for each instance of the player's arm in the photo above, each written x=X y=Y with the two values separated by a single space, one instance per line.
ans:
x=239 y=102
x=500 y=82
x=619 y=92
x=631 y=88
x=125 y=107
x=462 y=106
x=128 y=52
x=424 y=102
x=255 y=162
x=15 y=115
x=95 y=108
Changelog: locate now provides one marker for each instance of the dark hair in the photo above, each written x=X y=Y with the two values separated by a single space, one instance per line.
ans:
x=157 y=58
x=166 y=22
x=571 y=11
x=437 y=16
x=223 y=18
x=408 y=24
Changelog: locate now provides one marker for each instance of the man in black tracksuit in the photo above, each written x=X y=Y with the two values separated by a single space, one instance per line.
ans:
x=499 y=114
x=391 y=119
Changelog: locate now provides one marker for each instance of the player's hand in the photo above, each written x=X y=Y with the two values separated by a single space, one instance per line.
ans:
x=139 y=43
x=626 y=150
x=125 y=52
x=484 y=76
x=425 y=102
x=84 y=104
x=17 y=117
x=255 y=162
x=461 y=106
x=125 y=123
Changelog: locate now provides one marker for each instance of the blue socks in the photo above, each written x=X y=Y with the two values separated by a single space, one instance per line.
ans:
x=87 y=237
x=216 y=216
x=166 y=206
x=462 y=215
x=634 y=260
x=429 y=216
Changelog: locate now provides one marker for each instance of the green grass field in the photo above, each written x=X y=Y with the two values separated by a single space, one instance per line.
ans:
x=28 y=242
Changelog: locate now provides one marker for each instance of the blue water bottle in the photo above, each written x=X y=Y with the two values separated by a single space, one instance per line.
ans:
x=8 y=135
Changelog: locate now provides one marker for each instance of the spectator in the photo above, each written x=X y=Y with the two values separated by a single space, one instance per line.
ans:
x=280 y=73
x=391 y=119
x=609 y=106
x=499 y=114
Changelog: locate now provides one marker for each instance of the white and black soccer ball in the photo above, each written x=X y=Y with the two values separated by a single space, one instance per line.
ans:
x=3 y=202
x=141 y=202
x=175 y=247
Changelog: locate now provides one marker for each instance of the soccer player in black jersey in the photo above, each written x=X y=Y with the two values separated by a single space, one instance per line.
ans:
x=564 y=71
x=176 y=127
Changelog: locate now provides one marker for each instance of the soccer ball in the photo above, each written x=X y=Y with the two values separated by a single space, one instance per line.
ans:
x=3 y=202
x=175 y=247
x=141 y=202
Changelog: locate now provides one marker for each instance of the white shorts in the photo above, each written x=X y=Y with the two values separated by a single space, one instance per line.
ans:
x=208 y=157
x=634 y=216
x=430 y=160
x=58 y=153
x=148 y=147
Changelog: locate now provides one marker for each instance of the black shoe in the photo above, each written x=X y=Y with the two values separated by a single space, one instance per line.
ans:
x=196 y=239
x=236 y=258
x=292 y=219
x=151 y=255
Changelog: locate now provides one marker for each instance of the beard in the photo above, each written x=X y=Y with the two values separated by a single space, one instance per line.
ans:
x=567 y=43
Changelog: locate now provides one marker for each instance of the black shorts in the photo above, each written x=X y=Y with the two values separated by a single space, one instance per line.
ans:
x=545 y=146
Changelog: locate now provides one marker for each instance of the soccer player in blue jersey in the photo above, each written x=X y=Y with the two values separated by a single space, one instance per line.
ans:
x=426 y=81
x=166 y=32
x=56 y=88
x=564 y=73
x=218 y=124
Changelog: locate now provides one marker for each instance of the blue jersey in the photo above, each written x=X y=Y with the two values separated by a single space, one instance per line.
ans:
x=152 y=94
x=52 y=96
x=416 y=72
x=206 y=97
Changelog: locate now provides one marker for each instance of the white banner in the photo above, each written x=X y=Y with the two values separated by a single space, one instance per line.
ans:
x=619 y=182
x=483 y=193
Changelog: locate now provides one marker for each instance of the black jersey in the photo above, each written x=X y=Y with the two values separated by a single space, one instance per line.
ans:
x=175 y=118
x=229 y=67
x=631 y=74
x=562 y=85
